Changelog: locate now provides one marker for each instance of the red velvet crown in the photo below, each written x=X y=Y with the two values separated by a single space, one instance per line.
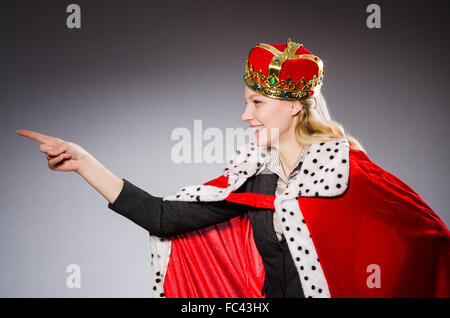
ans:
x=283 y=71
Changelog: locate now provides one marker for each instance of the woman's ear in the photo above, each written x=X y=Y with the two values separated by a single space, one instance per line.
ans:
x=296 y=107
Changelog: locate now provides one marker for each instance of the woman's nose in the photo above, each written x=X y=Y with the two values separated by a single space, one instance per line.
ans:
x=247 y=114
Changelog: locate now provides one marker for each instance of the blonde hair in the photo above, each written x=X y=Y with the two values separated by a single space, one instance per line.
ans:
x=315 y=124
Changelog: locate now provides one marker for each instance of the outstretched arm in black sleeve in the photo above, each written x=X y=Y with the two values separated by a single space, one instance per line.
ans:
x=168 y=218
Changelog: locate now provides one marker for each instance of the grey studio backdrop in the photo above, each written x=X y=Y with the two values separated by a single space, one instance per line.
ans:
x=136 y=70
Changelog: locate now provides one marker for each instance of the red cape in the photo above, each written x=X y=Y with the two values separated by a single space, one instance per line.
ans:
x=378 y=220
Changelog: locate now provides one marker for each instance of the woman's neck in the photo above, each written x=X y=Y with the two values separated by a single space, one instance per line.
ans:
x=288 y=153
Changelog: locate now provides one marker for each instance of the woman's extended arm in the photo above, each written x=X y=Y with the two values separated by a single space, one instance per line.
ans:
x=161 y=218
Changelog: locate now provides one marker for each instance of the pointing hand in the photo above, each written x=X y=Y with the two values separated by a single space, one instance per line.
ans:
x=61 y=155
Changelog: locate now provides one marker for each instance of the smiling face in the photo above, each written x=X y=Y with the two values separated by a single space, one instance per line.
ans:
x=276 y=116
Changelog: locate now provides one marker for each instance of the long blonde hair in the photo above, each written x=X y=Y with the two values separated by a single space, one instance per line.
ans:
x=315 y=124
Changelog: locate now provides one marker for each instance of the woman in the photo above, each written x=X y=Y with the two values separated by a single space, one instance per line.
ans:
x=302 y=213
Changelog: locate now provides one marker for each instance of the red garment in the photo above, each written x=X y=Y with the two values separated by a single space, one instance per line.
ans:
x=378 y=220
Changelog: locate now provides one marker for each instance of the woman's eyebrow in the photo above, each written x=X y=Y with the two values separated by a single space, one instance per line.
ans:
x=251 y=96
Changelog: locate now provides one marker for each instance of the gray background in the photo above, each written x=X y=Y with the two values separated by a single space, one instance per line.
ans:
x=137 y=70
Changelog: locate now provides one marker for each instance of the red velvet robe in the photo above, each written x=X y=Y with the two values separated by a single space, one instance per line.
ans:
x=376 y=239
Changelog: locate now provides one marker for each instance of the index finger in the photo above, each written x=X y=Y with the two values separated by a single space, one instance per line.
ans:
x=38 y=137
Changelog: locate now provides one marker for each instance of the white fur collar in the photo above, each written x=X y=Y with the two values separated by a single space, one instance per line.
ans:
x=324 y=173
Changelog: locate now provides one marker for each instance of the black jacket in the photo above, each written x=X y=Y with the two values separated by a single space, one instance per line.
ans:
x=169 y=218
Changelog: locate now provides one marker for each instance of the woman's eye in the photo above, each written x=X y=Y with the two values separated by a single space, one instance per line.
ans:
x=256 y=101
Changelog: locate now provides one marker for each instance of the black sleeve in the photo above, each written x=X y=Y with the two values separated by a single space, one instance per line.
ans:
x=168 y=218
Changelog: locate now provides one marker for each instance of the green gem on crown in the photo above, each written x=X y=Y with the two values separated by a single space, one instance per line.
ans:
x=272 y=81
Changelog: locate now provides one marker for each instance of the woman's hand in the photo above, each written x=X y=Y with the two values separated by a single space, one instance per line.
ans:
x=61 y=155
x=66 y=156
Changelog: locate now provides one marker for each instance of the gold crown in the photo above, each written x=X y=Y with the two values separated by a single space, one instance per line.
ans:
x=287 y=89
